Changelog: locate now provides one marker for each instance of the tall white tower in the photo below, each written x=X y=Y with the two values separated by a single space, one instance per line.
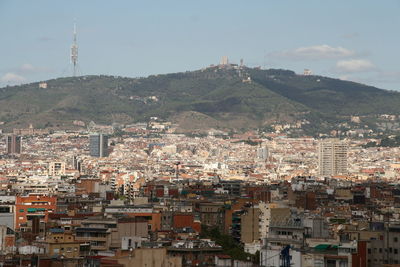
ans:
x=332 y=157
x=74 y=52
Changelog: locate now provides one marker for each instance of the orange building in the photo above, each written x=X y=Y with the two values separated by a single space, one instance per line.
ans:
x=186 y=220
x=29 y=207
x=88 y=186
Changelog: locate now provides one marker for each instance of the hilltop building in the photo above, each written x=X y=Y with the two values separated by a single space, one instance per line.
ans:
x=30 y=131
x=224 y=60
x=307 y=72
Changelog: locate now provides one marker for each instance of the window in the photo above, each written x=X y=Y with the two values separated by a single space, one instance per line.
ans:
x=395 y=239
x=396 y=251
x=369 y=251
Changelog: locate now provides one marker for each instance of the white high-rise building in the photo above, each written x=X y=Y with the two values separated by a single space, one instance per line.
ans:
x=262 y=153
x=332 y=157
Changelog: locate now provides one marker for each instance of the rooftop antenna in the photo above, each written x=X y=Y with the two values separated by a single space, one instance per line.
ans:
x=74 y=52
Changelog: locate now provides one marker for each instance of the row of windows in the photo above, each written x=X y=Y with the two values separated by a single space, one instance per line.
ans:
x=33 y=210
x=391 y=250
x=61 y=237
x=284 y=233
x=69 y=249
x=385 y=261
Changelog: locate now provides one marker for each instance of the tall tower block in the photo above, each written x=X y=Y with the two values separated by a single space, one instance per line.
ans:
x=332 y=157
x=13 y=144
x=98 y=144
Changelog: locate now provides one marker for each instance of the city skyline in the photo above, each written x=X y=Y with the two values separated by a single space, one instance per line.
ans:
x=187 y=133
x=354 y=41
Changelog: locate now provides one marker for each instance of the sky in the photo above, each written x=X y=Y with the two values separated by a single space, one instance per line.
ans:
x=356 y=40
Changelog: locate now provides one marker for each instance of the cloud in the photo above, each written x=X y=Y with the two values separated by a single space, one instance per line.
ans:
x=385 y=77
x=355 y=65
x=381 y=79
x=315 y=52
x=20 y=74
x=389 y=77
x=12 y=78
x=27 y=67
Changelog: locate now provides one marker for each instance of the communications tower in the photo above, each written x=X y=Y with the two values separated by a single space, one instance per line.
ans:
x=74 y=52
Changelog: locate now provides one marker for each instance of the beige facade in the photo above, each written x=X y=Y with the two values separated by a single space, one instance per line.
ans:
x=270 y=212
x=154 y=257
x=128 y=228
x=250 y=225
x=62 y=244
x=56 y=168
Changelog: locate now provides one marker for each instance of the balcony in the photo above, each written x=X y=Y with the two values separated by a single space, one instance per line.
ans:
x=98 y=247
x=91 y=238
x=284 y=240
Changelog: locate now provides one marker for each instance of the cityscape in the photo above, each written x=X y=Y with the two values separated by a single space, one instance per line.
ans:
x=107 y=199
x=237 y=162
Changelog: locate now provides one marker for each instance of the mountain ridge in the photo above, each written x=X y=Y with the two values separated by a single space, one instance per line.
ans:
x=229 y=97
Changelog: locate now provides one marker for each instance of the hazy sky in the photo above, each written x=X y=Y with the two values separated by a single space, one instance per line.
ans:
x=354 y=40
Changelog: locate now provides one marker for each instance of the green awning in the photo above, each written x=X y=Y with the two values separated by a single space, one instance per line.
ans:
x=322 y=247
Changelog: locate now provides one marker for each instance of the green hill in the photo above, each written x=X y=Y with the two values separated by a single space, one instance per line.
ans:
x=212 y=97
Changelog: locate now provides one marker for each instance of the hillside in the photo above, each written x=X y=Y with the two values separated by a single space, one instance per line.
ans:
x=213 y=97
